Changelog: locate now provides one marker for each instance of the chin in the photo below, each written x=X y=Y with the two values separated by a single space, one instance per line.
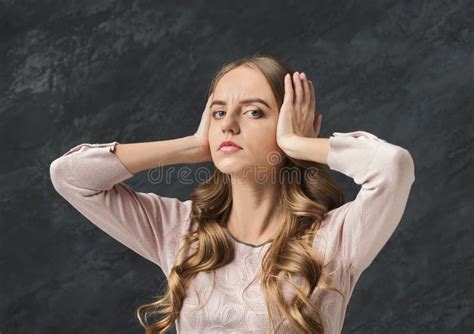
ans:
x=227 y=166
x=231 y=166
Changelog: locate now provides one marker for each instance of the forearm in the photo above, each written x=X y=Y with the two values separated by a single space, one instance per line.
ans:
x=310 y=149
x=385 y=172
x=146 y=155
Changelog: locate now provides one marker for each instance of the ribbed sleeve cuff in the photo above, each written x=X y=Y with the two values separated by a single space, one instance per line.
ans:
x=96 y=166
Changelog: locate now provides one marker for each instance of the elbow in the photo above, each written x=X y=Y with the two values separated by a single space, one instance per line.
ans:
x=57 y=174
x=394 y=166
x=403 y=165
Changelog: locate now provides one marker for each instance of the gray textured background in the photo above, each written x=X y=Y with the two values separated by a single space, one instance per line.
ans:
x=98 y=71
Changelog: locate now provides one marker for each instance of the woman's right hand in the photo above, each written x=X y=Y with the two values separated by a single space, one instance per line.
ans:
x=201 y=137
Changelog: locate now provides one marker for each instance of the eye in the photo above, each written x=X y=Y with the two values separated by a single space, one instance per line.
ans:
x=258 y=111
x=215 y=112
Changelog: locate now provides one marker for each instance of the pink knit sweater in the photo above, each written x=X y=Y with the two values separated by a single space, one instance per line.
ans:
x=89 y=177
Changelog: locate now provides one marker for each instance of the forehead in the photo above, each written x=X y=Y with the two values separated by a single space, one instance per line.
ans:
x=243 y=82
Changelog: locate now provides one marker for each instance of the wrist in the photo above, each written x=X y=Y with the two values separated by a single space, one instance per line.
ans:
x=197 y=151
x=288 y=143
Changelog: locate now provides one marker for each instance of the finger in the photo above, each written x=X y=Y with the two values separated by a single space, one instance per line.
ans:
x=289 y=95
x=317 y=124
x=209 y=101
x=298 y=89
x=312 y=103
x=320 y=116
x=306 y=89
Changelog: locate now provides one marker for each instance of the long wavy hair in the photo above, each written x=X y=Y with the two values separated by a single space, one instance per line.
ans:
x=304 y=203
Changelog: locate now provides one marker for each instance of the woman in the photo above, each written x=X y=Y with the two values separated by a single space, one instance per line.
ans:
x=267 y=243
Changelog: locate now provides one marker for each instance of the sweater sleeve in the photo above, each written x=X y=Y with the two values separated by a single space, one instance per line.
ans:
x=90 y=177
x=386 y=173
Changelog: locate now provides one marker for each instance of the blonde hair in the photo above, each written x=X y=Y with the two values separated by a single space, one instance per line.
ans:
x=303 y=203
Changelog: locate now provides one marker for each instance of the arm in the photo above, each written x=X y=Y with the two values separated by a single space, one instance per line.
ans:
x=307 y=148
x=142 y=156
x=385 y=173
x=90 y=177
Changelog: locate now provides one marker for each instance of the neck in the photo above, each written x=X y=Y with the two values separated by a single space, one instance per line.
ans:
x=254 y=215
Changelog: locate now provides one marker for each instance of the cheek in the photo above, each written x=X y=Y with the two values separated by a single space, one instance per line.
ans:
x=212 y=136
x=266 y=132
x=263 y=141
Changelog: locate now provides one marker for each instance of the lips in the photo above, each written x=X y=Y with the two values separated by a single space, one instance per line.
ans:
x=228 y=143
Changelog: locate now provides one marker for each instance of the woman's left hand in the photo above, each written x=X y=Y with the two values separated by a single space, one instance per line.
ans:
x=298 y=116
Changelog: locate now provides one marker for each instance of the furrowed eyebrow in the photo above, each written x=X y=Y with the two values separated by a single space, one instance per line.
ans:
x=246 y=101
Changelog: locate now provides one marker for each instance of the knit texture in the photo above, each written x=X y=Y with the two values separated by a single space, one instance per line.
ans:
x=90 y=177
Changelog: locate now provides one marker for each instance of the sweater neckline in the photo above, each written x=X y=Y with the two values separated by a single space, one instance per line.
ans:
x=246 y=243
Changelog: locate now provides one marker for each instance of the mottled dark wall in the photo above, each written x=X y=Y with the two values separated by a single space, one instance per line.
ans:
x=98 y=71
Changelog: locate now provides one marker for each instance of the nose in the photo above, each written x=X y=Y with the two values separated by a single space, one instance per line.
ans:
x=229 y=123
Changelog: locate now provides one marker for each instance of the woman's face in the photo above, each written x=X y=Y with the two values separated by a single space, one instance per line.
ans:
x=250 y=124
